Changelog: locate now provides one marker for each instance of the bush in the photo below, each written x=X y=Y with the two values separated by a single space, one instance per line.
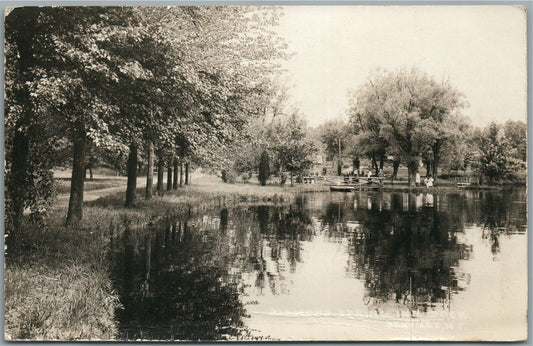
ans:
x=264 y=168
x=229 y=176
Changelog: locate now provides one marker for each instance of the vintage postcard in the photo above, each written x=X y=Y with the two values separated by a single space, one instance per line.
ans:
x=258 y=173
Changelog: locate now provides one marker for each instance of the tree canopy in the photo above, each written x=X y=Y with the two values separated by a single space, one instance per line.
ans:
x=181 y=80
x=408 y=112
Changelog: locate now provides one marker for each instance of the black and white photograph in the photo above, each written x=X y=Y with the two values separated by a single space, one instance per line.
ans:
x=265 y=173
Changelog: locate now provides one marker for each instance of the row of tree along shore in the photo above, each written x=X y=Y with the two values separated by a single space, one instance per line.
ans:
x=114 y=85
x=400 y=118
x=176 y=87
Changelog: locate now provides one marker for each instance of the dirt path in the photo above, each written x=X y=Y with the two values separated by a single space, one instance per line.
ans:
x=92 y=195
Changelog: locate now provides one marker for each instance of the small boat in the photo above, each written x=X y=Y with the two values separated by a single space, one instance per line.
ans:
x=342 y=188
x=353 y=187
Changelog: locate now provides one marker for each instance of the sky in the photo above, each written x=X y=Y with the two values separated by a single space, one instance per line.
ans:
x=480 y=49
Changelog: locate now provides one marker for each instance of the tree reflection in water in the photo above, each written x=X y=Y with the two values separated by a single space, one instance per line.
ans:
x=408 y=256
x=407 y=247
x=188 y=281
x=183 y=281
x=170 y=289
x=497 y=219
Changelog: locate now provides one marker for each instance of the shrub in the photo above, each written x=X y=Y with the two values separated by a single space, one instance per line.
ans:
x=229 y=176
x=264 y=168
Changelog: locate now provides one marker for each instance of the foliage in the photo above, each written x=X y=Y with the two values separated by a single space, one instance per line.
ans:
x=409 y=111
x=496 y=156
x=292 y=147
x=335 y=136
x=186 y=79
x=264 y=168
x=516 y=135
x=228 y=176
x=277 y=130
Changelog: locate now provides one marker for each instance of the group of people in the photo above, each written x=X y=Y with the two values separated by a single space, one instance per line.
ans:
x=428 y=181
x=368 y=173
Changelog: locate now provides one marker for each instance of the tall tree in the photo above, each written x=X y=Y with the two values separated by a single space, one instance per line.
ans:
x=411 y=111
x=22 y=32
x=264 y=168
x=293 y=147
x=495 y=154
x=134 y=75
x=516 y=135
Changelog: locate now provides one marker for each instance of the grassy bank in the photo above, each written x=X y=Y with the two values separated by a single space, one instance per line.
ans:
x=57 y=284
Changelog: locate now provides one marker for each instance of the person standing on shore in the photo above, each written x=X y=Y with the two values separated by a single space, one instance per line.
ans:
x=417 y=179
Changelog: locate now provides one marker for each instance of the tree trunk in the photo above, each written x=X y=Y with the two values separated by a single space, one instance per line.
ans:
x=374 y=164
x=132 y=176
x=412 y=168
x=186 y=173
x=149 y=171
x=395 y=167
x=169 y=176
x=160 y=174
x=435 y=169
x=381 y=160
x=23 y=20
x=75 y=204
x=88 y=168
x=17 y=177
x=356 y=164
x=291 y=180
x=436 y=160
x=175 y=182
x=181 y=173
x=428 y=168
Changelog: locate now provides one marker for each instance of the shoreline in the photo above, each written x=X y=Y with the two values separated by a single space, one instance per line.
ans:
x=71 y=264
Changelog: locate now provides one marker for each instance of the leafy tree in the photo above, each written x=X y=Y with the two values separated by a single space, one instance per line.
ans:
x=495 y=159
x=24 y=175
x=336 y=139
x=264 y=168
x=411 y=111
x=174 y=79
x=516 y=135
x=48 y=61
x=334 y=135
x=293 y=148
x=369 y=139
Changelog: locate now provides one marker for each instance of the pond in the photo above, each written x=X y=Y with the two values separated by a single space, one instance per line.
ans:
x=332 y=266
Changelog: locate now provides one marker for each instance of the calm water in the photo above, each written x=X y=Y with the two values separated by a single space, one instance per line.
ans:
x=332 y=266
